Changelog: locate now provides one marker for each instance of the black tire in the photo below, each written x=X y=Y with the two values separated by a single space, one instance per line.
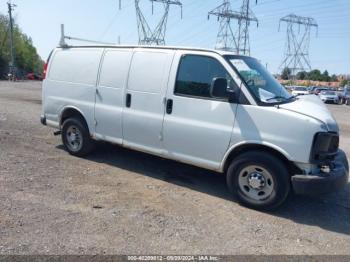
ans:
x=86 y=143
x=280 y=185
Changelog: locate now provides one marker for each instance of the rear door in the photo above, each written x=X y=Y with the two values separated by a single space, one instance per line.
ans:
x=144 y=99
x=197 y=128
x=110 y=94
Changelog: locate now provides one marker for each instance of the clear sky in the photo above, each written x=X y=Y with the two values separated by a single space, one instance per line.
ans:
x=102 y=20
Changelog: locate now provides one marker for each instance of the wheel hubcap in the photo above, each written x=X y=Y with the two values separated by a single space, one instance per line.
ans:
x=74 y=138
x=256 y=182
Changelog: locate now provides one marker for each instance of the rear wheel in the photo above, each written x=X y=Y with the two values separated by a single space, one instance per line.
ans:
x=259 y=180
x=76 y=137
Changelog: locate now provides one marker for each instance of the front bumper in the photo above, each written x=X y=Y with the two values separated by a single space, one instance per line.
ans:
x=324 y=182
x=330 y=100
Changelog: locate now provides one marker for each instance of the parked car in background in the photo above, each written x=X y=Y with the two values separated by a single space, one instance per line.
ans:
x=289 y=88
x=33 y=76
x=329 y=97
x=347 y=102
x=299 y=90
x=312 y=89
x=344 y=95
x=318 y=90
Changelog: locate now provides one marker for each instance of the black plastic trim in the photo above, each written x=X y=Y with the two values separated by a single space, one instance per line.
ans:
x=324 y=147
x=43 y=120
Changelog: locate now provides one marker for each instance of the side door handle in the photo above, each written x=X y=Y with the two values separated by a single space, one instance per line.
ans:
x=128 y=100
x=169 y=106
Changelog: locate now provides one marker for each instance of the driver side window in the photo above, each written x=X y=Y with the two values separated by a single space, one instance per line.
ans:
x=196 y=73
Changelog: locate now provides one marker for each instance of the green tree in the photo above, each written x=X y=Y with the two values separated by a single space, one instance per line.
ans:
x=325 y=76
x=286 y=74
x=315 y=75
x=301 y=75
x=334 y=78
x=27 y=59
x=344 y=82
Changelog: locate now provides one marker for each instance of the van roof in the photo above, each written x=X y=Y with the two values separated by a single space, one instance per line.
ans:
x=220 y=52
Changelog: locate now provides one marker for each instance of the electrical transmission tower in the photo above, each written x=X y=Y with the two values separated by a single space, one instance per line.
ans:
x=244 y=23
x=296 y=57
x=228 y=40
x=147 y=36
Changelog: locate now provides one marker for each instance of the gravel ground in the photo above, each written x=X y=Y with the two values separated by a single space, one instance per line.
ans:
x=122 y=202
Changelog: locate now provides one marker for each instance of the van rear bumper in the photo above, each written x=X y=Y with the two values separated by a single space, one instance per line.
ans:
x=323 y=183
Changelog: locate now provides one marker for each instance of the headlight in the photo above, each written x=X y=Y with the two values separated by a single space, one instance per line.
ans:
x=325 y=147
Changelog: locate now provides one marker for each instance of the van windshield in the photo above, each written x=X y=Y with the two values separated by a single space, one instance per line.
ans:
x=264 y=87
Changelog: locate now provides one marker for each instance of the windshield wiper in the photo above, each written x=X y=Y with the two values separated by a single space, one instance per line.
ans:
x=282 y=97
x=295 y=96
x=277 y=97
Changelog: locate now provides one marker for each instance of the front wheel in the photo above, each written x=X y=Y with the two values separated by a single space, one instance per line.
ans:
x=76 y=137
x=259 y=180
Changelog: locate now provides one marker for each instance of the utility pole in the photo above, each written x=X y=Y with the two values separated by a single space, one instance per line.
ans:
x=296 y=57
x=147 y=36
x=228 y=40
x=12 y=65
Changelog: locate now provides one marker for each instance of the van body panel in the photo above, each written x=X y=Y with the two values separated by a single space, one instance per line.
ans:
x=146 y=87
x=110 y=94
x=313 y=106
x=288 y=132
x=71 y=81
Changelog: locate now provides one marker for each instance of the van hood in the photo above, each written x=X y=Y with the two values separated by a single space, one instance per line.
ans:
x=312 y=106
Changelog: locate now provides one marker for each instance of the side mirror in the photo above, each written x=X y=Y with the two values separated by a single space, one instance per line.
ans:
x=218 y=88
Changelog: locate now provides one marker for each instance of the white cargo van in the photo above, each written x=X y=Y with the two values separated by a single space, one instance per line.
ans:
x=207 y=108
